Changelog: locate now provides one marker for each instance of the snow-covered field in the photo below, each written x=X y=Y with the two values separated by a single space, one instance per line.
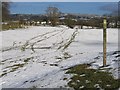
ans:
x=38 y=56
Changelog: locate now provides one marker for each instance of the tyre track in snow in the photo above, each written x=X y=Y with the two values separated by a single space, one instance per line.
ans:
x=36 y=37
x=58 y=32
x=51 y=77
x=54 y=35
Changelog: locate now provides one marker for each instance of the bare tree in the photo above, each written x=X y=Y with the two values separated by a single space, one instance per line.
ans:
x=53 y=15
x=5 y=11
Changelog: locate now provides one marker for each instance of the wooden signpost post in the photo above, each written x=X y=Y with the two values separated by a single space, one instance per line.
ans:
x=104 y=41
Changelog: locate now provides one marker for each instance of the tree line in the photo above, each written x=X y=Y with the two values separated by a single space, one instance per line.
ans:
x=53 y=15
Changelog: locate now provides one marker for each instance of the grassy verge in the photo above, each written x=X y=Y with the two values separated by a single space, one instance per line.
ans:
x=84 y=77
x=11 y=26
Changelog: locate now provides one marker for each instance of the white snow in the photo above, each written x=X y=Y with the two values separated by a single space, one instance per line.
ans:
x=45 y=65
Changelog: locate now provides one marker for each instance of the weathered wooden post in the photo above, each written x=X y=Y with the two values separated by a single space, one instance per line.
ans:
x=104 y=41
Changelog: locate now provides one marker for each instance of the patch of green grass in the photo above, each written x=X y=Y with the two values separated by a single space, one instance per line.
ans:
x=13 y=68
x=3 y=74
x=33 y=88
x=66 y=55
x=24 y=46
x=16 y=66
x=56 y=57
x=53 y=64
x=64 y=78
x=85 y=77
x=27 y=59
